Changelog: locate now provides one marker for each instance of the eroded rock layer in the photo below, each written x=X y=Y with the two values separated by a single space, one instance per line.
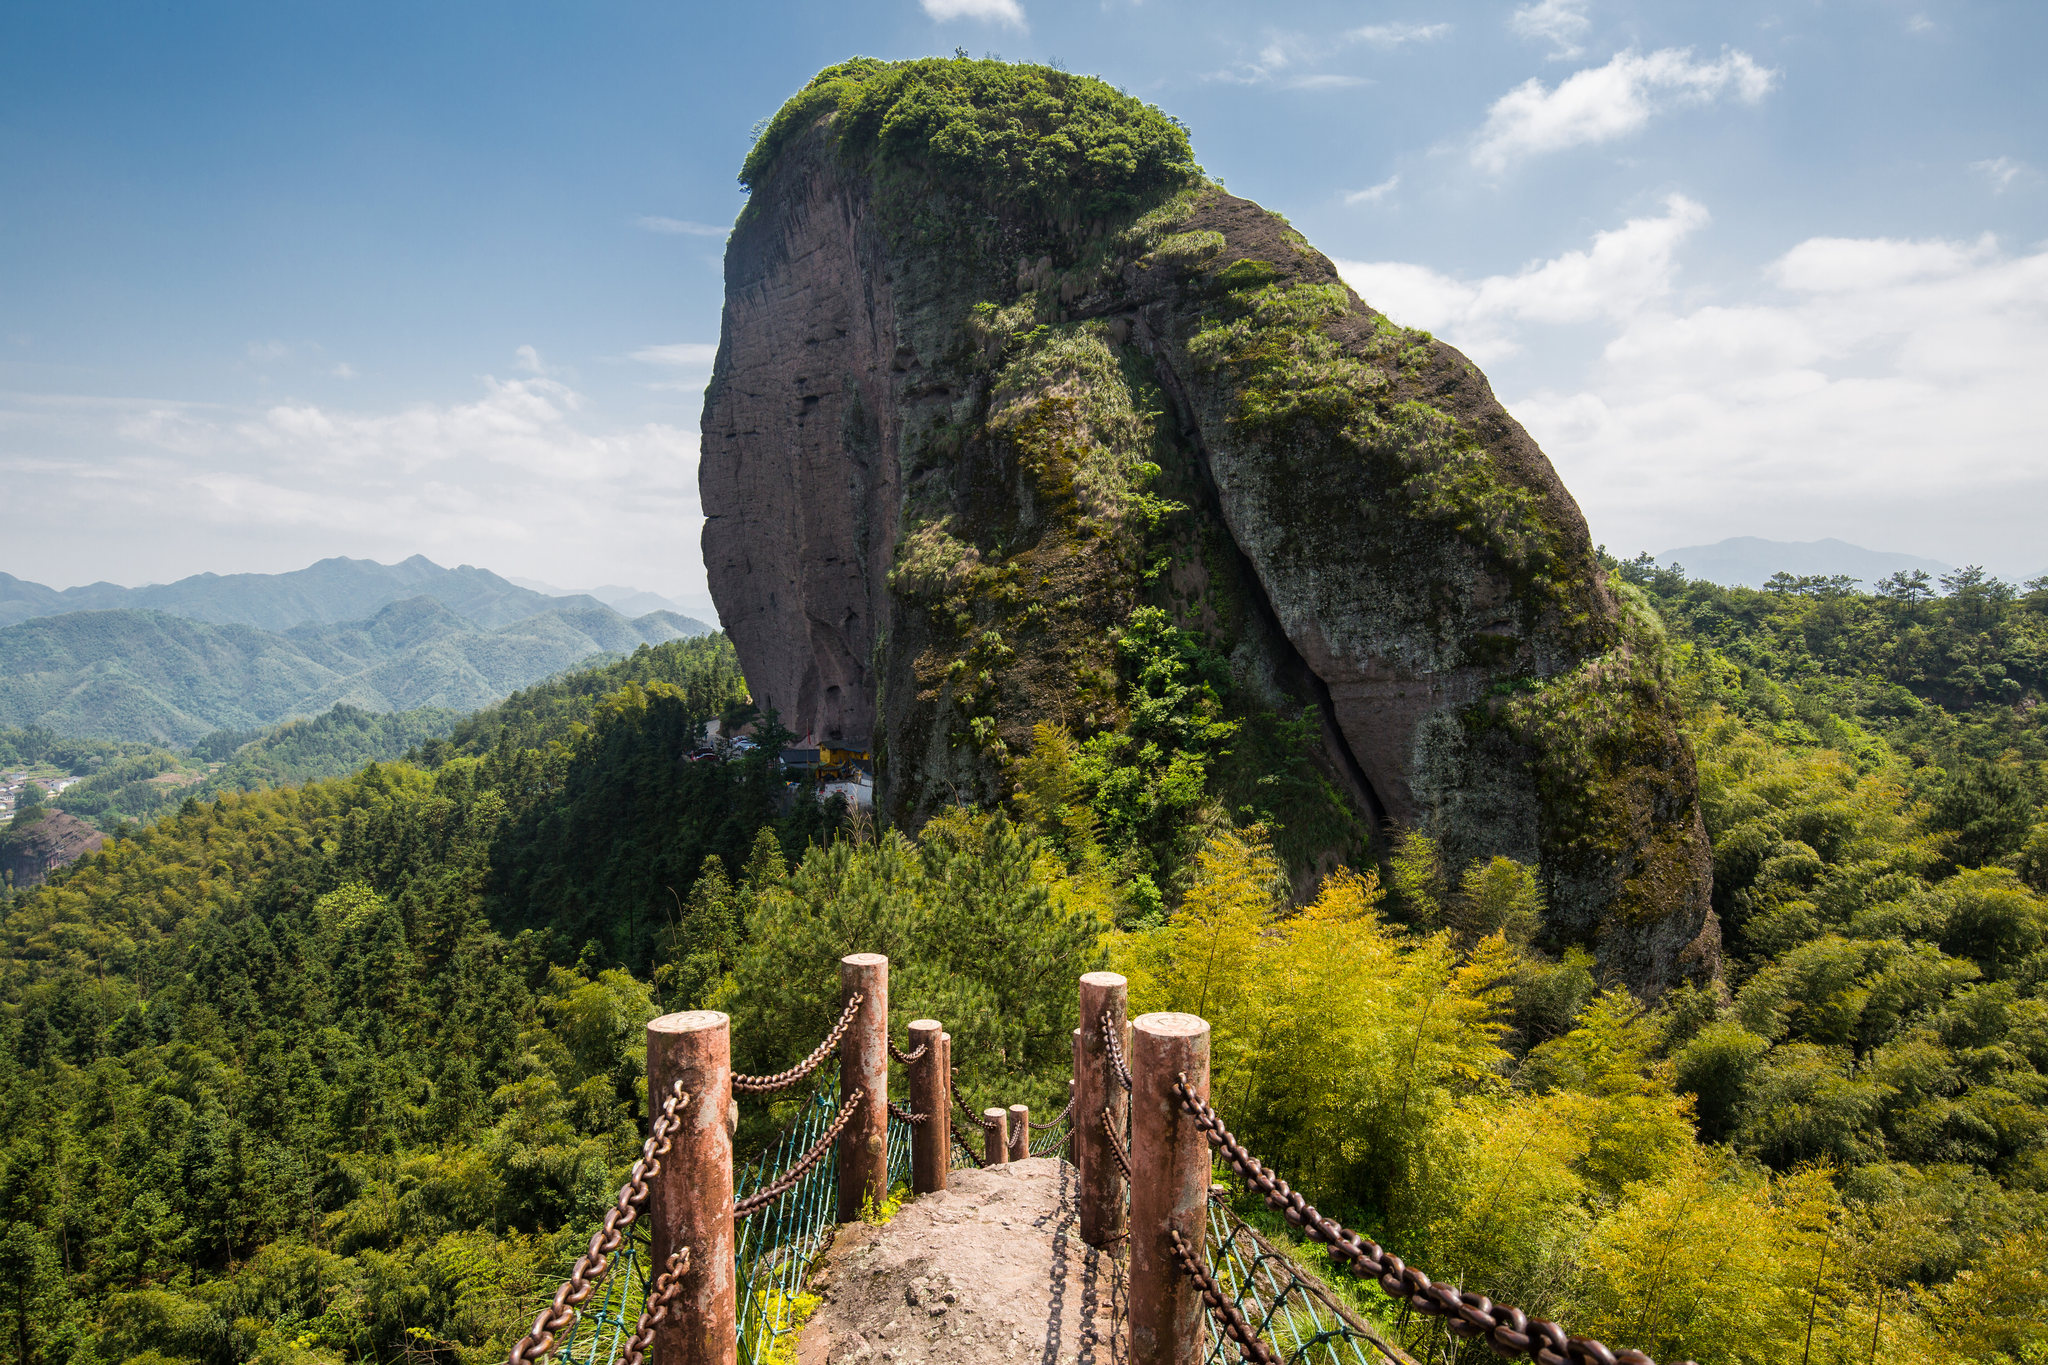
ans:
x=1000 y=370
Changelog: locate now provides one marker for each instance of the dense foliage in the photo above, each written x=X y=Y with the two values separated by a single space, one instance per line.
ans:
x=288 y=1078
x=1852 y=1143
x=346 y=1070
x=1028 y=136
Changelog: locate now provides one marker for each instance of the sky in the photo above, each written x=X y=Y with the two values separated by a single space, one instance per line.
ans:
x=283 y=281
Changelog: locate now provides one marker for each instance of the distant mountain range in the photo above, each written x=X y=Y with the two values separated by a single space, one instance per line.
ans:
x=1748 y=562
x=174 y=662
x=621 y=599
x=332 y=590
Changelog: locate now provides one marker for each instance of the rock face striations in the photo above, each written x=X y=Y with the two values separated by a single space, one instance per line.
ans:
x=1003 y=379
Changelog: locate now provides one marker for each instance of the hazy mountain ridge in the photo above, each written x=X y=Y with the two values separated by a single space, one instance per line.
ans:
x=329 y=592
x=154 y=675
x=1749 y=561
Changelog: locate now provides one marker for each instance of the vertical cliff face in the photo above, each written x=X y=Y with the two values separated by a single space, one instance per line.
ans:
x=798 y=474
x=1000 y=371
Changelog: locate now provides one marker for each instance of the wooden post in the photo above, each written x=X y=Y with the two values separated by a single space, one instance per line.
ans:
x=931 y=1142
x=864 y=1065
x=1096 y=1088
x=1169 y=1189
x=995 y=1137
x=690 y=1199
x=1020 y=1131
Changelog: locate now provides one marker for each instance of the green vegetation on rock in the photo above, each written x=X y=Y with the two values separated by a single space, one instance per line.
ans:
x=1029 y=137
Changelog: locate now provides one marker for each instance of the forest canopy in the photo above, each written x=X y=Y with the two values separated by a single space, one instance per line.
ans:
x=347 y=1069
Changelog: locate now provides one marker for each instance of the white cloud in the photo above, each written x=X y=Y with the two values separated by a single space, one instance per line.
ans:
x=1882 y=390
x=1603 y=103
x=680 y=227
x=269 y=352
x=1394 y=35
x=1372 y=194
x=991 y=11
x=522 y=478
x=344 y=371
x=1561 y=23
x=1626 y=270
x=1280 y=61
x=2001 y=171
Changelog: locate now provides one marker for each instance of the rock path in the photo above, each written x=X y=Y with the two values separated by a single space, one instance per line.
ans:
x=991 y=1270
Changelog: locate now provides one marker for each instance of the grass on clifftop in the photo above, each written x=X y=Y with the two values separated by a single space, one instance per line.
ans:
x=1026 y=136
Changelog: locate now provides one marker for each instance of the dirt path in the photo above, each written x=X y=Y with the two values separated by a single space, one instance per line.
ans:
x=990 y=1271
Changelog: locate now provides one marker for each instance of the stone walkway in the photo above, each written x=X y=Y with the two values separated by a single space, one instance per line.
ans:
x=989 y=1271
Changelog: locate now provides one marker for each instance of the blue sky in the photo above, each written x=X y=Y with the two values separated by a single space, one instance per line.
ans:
x=279 y=281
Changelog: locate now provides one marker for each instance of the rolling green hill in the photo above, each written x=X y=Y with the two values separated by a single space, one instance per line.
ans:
x=330 y=591
x=149 y=675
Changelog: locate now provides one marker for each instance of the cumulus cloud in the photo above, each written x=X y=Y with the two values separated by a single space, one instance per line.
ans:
x=520 y=477
x=1885 y=390
x=1603 y=103
x=1394 y=35
x=1626 y=270
x=1561 y=23
x=991 y=11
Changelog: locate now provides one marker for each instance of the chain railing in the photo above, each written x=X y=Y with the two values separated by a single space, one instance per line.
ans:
x=1509 y=1331
x=1287 y=1307
x=782 y=1080
x=594 y=1268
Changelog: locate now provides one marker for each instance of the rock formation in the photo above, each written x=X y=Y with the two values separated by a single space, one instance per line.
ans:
x=39 y=843
x=999 y=369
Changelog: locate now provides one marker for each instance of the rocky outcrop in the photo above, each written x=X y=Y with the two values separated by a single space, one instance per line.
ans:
x=37 y=843
x=999 y=369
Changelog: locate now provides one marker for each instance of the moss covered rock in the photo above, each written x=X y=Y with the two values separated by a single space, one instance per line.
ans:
x=1000 y=369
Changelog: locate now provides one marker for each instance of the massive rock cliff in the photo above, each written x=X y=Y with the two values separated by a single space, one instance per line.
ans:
x=1000 y=371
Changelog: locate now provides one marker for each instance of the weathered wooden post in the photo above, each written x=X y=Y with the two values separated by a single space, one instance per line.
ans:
x=1169 y=1187
x=1096 y=1088
x=864 y=1066
x=995 y=1124
x=1020 y=1131
x=690 y=1199
x=931 y=1142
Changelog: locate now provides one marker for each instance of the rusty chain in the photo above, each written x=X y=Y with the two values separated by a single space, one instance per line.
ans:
x=1116 y=1146
x=900 y=1112
x=590 y=1267
x=660 y=1299
x=988 y=1125
x=1509 y=1331
x=1115 y=1047
x=1249 y=1346
x=762 y=1198
x=759 y=1085
x=961 y=1143
x=1056 y=1120
x=908 y=1057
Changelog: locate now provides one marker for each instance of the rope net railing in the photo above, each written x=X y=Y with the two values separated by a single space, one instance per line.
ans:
x=774 y=1251
x=611 y=1269
x=1289 y=1311
x=1467 y=1315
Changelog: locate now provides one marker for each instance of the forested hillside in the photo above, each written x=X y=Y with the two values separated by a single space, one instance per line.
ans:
x=349 y=1070
x=333 y=590
x=147 y=675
